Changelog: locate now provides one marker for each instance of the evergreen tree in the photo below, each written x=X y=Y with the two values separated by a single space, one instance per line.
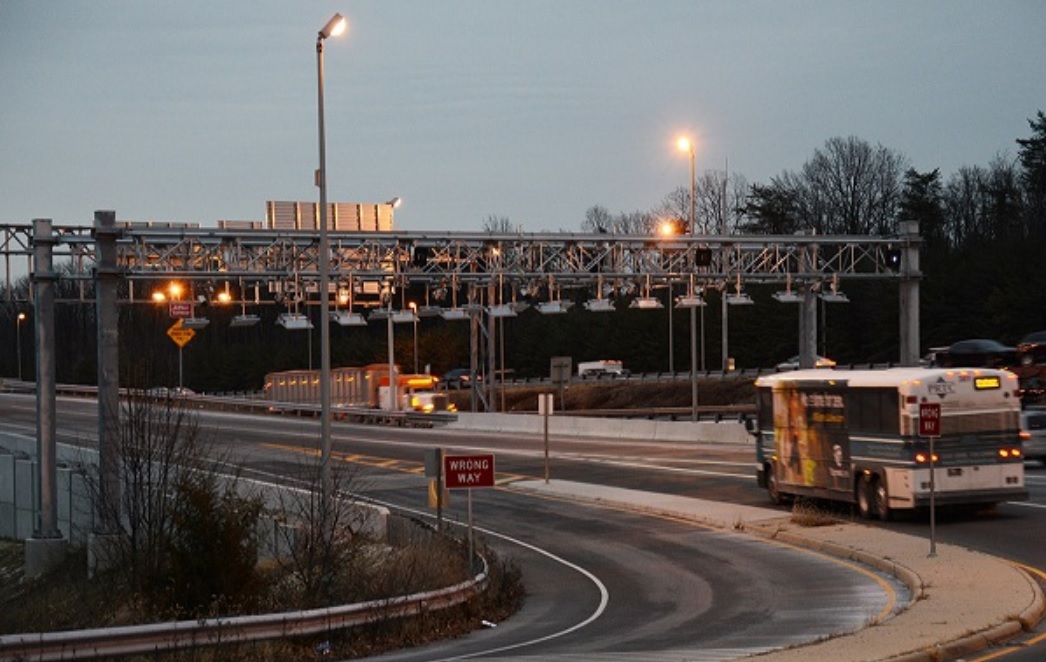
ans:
x=1033 y=174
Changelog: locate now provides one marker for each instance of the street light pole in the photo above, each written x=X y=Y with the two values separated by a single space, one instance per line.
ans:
x=414 y=309
x=18 y=342
x=686 y=145
x=334 y=27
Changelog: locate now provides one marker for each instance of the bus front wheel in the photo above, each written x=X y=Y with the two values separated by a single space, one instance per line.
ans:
x=772 y=487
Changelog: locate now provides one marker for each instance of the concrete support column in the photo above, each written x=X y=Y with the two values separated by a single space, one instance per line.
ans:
x=808 y=329
x=908 y=299
x=808 y=311
x=47 y=547
x=107 y=278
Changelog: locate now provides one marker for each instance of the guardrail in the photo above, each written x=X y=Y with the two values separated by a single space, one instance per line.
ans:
x=717 y=413
x=164 y=637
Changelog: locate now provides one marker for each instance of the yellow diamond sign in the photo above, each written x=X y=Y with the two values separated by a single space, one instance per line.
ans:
x=180 y=336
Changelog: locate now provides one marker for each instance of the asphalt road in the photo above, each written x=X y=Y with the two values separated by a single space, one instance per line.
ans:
x=668 y=587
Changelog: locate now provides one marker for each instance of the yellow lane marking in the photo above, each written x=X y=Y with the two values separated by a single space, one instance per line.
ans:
x=401 y=466
x=1025 y=644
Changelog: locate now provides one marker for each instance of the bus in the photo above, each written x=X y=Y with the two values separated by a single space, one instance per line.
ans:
x=853 y=436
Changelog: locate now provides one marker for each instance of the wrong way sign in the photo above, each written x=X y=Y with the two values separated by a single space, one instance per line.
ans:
x=930 y=419
x=468 y=471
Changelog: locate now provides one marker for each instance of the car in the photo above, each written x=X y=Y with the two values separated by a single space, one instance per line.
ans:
x=458 y=378
x=1033 y=434
x=164 y=392
x=793 y=363
x=977 y=353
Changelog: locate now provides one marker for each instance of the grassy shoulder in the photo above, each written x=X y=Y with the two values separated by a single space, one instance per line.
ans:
x=66 y=599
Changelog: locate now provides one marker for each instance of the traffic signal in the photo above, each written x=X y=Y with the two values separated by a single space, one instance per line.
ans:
x=703 y=257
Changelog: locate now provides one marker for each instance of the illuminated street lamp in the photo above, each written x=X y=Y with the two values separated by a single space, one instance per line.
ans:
x=18 y=342
x=685 y=145
x=334 y=27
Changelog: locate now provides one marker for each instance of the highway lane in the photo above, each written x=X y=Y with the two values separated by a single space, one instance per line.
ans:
x=622 y=584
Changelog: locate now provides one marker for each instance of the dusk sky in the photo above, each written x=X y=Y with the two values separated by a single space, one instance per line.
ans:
x=534 y=111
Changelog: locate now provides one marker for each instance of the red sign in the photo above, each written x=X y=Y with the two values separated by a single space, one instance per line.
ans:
x=179 y=309
x=468 y=471
x=929 y=419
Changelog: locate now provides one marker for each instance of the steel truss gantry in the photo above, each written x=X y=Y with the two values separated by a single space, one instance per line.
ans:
x=518 y=260
x=481 y=269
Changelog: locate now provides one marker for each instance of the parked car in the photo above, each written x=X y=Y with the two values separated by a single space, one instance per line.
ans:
x=793 y=363
x=1033 y=434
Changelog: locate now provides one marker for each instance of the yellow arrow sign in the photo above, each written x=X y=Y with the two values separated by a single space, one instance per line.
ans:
x=180 y=336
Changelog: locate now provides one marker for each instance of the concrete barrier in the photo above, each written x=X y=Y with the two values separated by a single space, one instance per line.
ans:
x=606 y=428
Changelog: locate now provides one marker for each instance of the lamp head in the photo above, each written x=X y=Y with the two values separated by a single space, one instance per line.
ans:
x=335 y=27
x=684 y=144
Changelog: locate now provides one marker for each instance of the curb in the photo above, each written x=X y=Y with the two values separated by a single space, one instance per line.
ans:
x=957 y=648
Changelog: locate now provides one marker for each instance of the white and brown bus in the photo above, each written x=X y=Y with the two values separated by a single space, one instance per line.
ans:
x=853 y=436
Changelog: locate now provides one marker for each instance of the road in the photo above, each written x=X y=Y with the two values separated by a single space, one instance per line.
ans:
x=605 y=582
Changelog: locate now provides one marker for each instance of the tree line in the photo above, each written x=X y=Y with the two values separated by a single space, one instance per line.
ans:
x=984 y=231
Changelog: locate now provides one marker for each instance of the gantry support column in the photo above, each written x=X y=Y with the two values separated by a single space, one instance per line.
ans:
x=103 y=543
x=908 y=299
x=47 y=547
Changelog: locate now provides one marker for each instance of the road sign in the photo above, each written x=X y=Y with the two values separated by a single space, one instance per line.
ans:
x=178 y=309
x=468 y=471
x=180 y=336
x=930 y=419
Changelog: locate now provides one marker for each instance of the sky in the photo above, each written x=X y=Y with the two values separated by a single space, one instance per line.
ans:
x=469 y=109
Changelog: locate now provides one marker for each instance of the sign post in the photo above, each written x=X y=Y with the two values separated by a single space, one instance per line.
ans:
x=181 y=337
x=466 y=472
x=560 y=369
x=545 y=406
x=434 y=472
x=930 y=426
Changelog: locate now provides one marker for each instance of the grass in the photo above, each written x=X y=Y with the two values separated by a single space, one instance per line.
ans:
x=806 y=513
x=66 y=599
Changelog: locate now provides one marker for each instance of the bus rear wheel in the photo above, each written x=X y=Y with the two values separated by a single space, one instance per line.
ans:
x=882 y=500
x=865 y=496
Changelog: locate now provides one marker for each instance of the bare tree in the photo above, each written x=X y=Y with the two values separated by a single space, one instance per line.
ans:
x=851 y=187
x=597 y=220
x=322 y=543
x=721 y=198
x=498 y=225
x=175 y=508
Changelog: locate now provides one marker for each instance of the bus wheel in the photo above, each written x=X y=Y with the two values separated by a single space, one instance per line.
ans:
x=772 y=488
x=865 y=505
x=882 y=500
